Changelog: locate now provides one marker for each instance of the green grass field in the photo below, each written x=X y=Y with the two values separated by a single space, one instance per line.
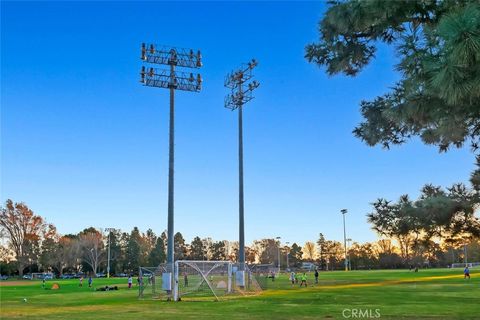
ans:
x=399 y=294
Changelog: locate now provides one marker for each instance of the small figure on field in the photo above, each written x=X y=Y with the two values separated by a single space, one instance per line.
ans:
x=316 y=276
x=90 y=281
x=185 y=279
x=80 y=282
x=271 y=275
x=43 y=283
x=130 y=280
x=304 y=279
x=292 y=277
x=466 y=273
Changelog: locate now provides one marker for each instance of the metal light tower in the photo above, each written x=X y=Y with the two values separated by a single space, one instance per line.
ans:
x=288 y=252
x=349 y=261
x=172 y=80
x=109 y=230
x=344 y=211
x=241 y=93
x=278 y=239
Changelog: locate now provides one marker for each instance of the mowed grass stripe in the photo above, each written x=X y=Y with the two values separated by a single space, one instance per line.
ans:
x=398 y=294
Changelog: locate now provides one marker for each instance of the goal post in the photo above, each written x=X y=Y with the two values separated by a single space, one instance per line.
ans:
x=463 y=265
x=196 y=280
x=42 y=275
x=202 y=279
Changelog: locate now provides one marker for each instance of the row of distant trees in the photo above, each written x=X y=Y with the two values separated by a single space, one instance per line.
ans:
x=32 y=245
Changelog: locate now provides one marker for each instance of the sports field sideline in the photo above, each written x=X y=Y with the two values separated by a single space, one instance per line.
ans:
x=396 y=294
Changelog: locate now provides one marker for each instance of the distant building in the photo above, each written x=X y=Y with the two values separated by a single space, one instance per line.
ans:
x=308 y=266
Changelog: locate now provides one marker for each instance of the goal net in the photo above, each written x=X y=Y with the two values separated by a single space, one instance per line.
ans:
x=202 y=279
x=264 y=273
x=42 y=275
x=196 y=280
x=155 y=282
x=463 y=265
x=245 y=282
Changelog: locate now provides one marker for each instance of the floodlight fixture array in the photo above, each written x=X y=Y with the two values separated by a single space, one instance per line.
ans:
x=241 y=92
x=172 y=80
x=242 y=89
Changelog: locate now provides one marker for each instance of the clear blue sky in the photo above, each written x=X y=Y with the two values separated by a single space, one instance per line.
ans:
x=84 y=144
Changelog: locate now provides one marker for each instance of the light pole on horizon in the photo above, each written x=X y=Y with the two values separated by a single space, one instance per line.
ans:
x=278 y=238
x=241 y=93
x=344 y=212
x=349 y=263
x=109 y=230
x=288 y=252
x=172 y=80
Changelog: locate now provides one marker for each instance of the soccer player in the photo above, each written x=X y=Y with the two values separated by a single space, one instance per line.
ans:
x=466 y=273
x=304 y=279
x=130 y=280
x=80 y=284
x=316 y=276
x=90 y=280
x=185 y=279
x=292 y=277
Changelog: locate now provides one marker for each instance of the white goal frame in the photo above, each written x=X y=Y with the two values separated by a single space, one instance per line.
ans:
x=204 y=274
x=463 y=265
x=41 y=275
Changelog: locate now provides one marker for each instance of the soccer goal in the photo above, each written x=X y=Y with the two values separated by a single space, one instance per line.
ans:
x=196 y=281
x=463 y=265
x=155 y=282
x=205 y=280
x=42 y=275
x=245 y=282
x=202 y=279
x=263 y=274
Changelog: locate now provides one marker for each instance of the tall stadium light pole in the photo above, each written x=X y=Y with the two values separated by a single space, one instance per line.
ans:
x=349 y=263
x=241 y=93
x=278 y=239
x=344 y=212
x=172 y=80
x=288 y=252
x=109 y=230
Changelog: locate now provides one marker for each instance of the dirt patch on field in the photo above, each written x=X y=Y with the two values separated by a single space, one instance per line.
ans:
x=14 y=283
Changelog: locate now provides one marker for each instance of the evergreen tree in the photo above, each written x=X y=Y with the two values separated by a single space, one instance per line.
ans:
x=438 y=43
x=197 y=250
x=133 y=253
x=295 y=257
x=115 y=251
x=150 y=240
x=157 y=255
x=322 y=249
x=180 y=249
x=218 y=251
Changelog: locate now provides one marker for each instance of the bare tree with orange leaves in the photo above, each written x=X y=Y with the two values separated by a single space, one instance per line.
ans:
x=24 y=231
